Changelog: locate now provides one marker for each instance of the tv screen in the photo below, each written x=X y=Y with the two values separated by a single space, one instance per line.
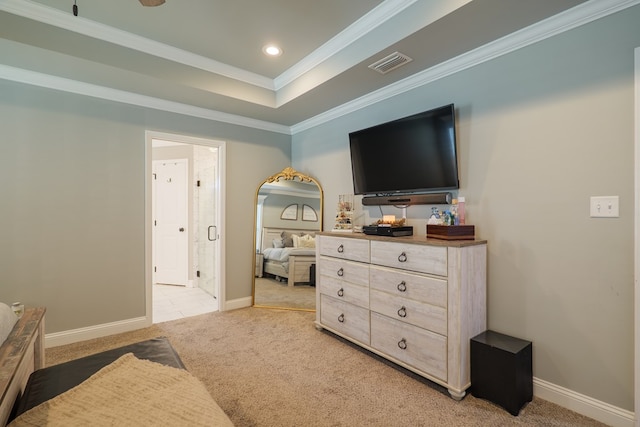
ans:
x=409 y=155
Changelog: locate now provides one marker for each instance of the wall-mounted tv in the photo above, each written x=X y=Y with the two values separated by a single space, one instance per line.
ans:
x=414 y=154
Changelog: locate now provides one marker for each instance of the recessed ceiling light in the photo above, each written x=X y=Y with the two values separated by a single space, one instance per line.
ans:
x=272 y=50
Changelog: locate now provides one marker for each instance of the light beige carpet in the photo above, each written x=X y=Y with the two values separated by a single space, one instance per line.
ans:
x=273 y=293
x=273 y=368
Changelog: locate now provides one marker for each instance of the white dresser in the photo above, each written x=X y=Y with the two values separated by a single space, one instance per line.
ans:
x=413 y=300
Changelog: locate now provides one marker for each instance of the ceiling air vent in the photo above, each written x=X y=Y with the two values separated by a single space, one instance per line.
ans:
x=391 y=62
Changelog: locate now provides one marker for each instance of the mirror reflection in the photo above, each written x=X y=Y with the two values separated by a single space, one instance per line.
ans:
x=288 y=213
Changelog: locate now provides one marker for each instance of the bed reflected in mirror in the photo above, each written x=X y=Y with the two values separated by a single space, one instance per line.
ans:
x=288 y=213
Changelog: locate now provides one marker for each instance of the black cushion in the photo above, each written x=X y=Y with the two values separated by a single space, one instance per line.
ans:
x=47 y=383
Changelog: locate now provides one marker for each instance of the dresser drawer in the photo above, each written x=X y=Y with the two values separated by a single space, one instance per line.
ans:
x=410 y=311
x=347 y=271
x=344 y=291
x=409 y=285
x=414 y=346
x=421 y=258
x=344 y=248
x=348 y=319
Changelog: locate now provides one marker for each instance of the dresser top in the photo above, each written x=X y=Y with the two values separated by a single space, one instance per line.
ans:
x=420 y=240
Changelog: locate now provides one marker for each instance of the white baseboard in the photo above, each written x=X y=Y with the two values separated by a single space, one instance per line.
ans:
x=235 y=304
x=584 y=405
x=98 y=331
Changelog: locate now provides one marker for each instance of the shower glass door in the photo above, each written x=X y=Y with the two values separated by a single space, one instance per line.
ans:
x=206 y=162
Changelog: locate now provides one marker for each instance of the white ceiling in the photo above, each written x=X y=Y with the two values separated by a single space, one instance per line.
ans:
x=203 y=57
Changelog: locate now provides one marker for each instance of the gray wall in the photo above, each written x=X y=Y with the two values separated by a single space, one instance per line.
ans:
x=540 y=131
x=73 y=198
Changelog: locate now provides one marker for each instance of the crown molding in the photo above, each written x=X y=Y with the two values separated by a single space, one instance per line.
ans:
x=376 y=17
x=80 y=88
x=572 y=18
x=51 y=16
x=579 y=15
x=361 y=40
x=87 y=27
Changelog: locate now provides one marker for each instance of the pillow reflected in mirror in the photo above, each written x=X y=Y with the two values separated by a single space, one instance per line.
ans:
x=305 y=241
x=287 y=239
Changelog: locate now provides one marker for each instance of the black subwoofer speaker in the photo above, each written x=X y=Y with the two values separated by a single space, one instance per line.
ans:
x=502 y=370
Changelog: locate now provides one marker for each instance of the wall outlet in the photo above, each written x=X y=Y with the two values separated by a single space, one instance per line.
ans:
x=605 y=207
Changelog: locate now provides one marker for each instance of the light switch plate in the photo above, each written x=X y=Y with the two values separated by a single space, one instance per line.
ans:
x=605 y=207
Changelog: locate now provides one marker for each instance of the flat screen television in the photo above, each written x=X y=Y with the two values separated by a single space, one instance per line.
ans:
x=415 y=154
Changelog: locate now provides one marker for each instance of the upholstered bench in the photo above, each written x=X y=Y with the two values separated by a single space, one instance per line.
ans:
x=44 y=384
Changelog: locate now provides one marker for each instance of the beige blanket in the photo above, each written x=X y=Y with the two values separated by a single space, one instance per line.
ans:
x=130 y=392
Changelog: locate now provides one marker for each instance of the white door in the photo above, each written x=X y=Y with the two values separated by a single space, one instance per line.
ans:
x=170 y=220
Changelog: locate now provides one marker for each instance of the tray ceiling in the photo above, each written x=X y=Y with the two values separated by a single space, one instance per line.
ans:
x=204 y=57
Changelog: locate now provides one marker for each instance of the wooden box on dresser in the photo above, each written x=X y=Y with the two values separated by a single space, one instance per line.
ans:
x=414 y=301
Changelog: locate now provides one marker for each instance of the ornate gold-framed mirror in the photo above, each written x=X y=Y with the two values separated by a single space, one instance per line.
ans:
x=288 y=212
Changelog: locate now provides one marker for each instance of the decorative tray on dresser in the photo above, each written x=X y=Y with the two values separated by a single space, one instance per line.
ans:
x=414 y=301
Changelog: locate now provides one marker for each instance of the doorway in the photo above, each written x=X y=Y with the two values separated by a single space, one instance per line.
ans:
x=184 y=222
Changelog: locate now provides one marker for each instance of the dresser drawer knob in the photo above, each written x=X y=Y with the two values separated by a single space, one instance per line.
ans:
x=402 y=312
x=402 y=257
x=341 y=318
x=402 y=344
x=341 y=292
x=340 y=249
x=341 y=272
x=402 y=286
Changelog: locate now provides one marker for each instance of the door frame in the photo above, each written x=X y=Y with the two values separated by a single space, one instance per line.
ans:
x=636 y=238
x=221 y=197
